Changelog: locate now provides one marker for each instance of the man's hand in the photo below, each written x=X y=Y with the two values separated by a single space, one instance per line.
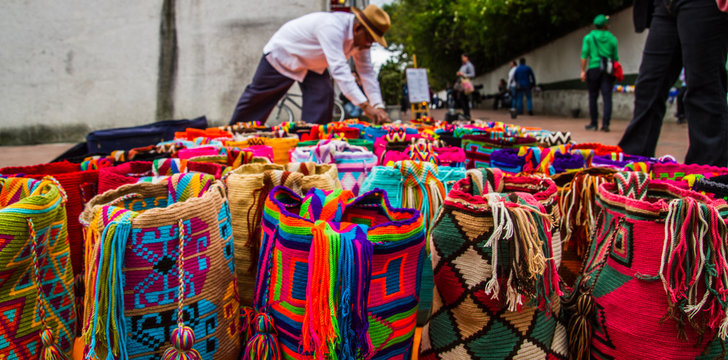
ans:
x=583 y=76
x=379 y=116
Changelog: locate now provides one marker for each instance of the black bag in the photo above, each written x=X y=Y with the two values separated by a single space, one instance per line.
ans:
x=606 y=65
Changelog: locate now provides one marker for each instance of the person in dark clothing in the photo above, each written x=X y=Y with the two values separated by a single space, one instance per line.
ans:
x=693 y=34
x=525 y=82
x=598 y=44
x=500 y=96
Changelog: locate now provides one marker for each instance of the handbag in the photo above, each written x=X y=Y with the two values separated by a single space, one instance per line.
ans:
x=487 y=302
x=135 y=277
x=722 y=5
x=467 y=85
x=37 y=305
x=248 y=187
x=639 y=295
x=365 y=258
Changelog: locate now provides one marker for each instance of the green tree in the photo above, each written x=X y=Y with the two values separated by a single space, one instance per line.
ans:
x=492 y=32
x=391 y=78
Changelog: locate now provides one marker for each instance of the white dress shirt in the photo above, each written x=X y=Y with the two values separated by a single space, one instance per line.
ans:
x=323 y=40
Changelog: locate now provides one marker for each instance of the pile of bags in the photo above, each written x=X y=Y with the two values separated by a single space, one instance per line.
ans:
x=180 y=241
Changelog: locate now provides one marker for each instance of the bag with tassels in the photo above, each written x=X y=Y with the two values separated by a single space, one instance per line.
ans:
x=653 y=284
x=496 y=286
x=248 y=187
x=37 y=305
x=160 y=273
x=338 y=277
x=577 y=192
x=479 y=147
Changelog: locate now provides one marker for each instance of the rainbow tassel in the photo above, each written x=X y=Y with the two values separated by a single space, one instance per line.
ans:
x=50 y=350
x=183 y=338
x=247 y=315
x=264 y=344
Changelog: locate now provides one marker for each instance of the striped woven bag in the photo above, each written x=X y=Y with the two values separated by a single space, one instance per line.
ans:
x=353 y=163
x=416 y=185
x=653 y=284
x=248 y=187
x=339 y=275
x=136 y=305
x=496 y=286
x=80 y=183
x=479 y=147
x=37 y=306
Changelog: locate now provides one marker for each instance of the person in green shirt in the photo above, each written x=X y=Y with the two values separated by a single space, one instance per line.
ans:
x=599 y=43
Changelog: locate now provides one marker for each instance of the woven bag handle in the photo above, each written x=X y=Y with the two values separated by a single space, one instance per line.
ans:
x=49 y=350
x=183 y=337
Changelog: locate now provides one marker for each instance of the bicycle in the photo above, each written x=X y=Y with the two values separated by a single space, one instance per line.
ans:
x=284 y=113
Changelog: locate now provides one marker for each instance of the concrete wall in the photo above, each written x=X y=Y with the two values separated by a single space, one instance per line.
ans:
x=560 y=61
x=70 y=67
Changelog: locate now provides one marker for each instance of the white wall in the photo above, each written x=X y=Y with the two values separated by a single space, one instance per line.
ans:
x=96 y=63
x=560 y=60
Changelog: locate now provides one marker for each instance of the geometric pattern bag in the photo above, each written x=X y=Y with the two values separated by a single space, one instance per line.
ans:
x=37 y=313
x=496 y=287
x=352 y=162
x=653 y=284
x=135 y=303
x=339 y=275
x=248 y=187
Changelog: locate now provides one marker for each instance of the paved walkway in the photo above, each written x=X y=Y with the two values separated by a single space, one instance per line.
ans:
x=674 y=138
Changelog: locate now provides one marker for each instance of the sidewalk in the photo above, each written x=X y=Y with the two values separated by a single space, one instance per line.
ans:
x=674 y=138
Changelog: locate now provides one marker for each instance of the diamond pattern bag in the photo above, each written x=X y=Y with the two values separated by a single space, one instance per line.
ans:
x=488 y=301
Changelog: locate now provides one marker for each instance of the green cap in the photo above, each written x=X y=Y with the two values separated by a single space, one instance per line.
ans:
x=601 y=20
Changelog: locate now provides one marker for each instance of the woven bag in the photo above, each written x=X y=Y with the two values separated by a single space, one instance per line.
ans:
x=676 y=172
x=80 y=183
x=716 y=185
x=248 y=186
x=37 y=305
x=479 y=147
x=489 y=302
x=577 y=192
x=653 y=284
x=364 y=256
x=281 y=146
x=353 y=163
x=133 y=172
x=134 y=237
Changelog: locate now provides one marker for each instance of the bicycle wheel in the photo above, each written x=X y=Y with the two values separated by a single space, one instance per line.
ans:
x=282 y=113
x=338 y=111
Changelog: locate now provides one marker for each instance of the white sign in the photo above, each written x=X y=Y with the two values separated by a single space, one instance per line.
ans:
x=417 y=85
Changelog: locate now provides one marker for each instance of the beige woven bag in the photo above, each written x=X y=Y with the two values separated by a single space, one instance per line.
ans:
x=248 y=187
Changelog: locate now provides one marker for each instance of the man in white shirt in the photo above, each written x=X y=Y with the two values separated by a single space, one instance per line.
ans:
x=307 y=50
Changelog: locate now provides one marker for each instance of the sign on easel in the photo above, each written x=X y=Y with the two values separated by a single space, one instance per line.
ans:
x=417 y=86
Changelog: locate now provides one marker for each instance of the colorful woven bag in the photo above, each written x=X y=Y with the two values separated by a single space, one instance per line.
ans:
x=496 y=287
x=577 y=192
x=353 y=163
x=248 y=187
x=80 y=183
x=653 y=284
x=136 y=304
x=281 y=146
x=479 y=147
x=339 y=275
x=37 y=305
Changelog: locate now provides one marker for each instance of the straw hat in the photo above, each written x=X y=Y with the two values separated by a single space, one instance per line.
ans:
x=375 y=20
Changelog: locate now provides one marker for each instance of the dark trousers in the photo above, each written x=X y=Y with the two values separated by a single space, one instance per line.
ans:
x=597 y=81
x=694 y=34
x=463 y=102
x=269 y=86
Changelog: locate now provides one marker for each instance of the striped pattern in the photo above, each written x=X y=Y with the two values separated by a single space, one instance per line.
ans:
x=34 y=209
x=290 y=241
